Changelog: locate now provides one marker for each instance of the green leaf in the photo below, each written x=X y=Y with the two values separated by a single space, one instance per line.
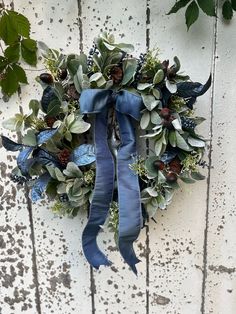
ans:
x=181 y=143
x=20 y=22
x=151 y=209
x=3 y=63
x=158 y=146
x=195 y=142
x=227 y=10
x=7 y=30
x=149 y=165
x=155 y=118
x=20 y=73
x=30 y=138
x=197 y=176
x=178 y=5
x=129 y=69
x=143 y=86
x=156 y=93
x=172 y=138
x=12 y=53
x=159 y=76
x=207 y=6
x=53 y=108
x=186 y=179
x=79 y=126
x=191 y=14
x=150 y=102
x=59 y=175
x=34 y=106
x=13 y=24
x=233 y=4
x=29 y=51
x=145 y=119
x=9 y=83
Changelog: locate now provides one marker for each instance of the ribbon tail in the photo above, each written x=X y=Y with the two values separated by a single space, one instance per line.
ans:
x=130 y=213
x=102 y=195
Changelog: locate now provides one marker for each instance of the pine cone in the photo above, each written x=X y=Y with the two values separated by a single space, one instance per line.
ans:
x=50 y=121
x=64 y=156
x=175 y=165
x=116 y=74
x=72 y=92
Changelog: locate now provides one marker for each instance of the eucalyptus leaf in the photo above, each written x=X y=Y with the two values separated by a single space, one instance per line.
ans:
x=150 y=102
x=159 y=76
x=197 y=176
x=181 y=143
x=129 y=70
x=195 y=142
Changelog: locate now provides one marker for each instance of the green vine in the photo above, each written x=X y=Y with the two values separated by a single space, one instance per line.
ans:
x=16 y=47
x=193 y=8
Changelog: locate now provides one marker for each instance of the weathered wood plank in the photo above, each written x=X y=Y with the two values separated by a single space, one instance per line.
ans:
x=17 y=280
x=117 y=288
x=176 y=241
x=63 y=274
x=220 y=294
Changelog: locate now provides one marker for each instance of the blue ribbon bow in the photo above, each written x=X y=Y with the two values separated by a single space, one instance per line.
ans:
x=127 y=107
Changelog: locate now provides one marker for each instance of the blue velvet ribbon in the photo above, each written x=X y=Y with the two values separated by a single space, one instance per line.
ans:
x=127 y=107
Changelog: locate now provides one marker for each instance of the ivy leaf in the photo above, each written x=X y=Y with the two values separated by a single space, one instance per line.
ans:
x=233 y=4
x=28 y=51
x=9 y=83
x=13 y=24
x=3 y=63
x=178 y=5
x=20 y=22
x=7 y=30
x=12 y=53
x=191 y=14
x=20 y=73
x=227 y=10
x=207 y=6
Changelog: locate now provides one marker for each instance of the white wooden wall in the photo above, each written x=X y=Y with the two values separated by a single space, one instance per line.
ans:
x=189 y=256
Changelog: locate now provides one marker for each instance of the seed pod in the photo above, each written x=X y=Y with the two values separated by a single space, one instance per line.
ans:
x=171 y=177
x=46 y=78
x=159 y=165
x=62 y=74
x=165 y=113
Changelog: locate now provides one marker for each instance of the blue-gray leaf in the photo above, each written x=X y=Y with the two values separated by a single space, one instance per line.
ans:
x=191 y=89
x=22 y=158
x=168 y=156
x=45 y=135
x=39 y=187
x=10 y=145
x=83 y=155
x=43 y=157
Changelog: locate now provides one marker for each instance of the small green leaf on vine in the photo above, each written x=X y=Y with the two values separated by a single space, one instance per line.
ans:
x=191 y=14
x=227 y=10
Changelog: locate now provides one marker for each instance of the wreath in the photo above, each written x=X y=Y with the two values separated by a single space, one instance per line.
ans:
x=117 y=96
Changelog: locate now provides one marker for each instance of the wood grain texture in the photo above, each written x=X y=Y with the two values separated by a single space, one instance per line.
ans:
x=220 y=293
x=177 y=240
